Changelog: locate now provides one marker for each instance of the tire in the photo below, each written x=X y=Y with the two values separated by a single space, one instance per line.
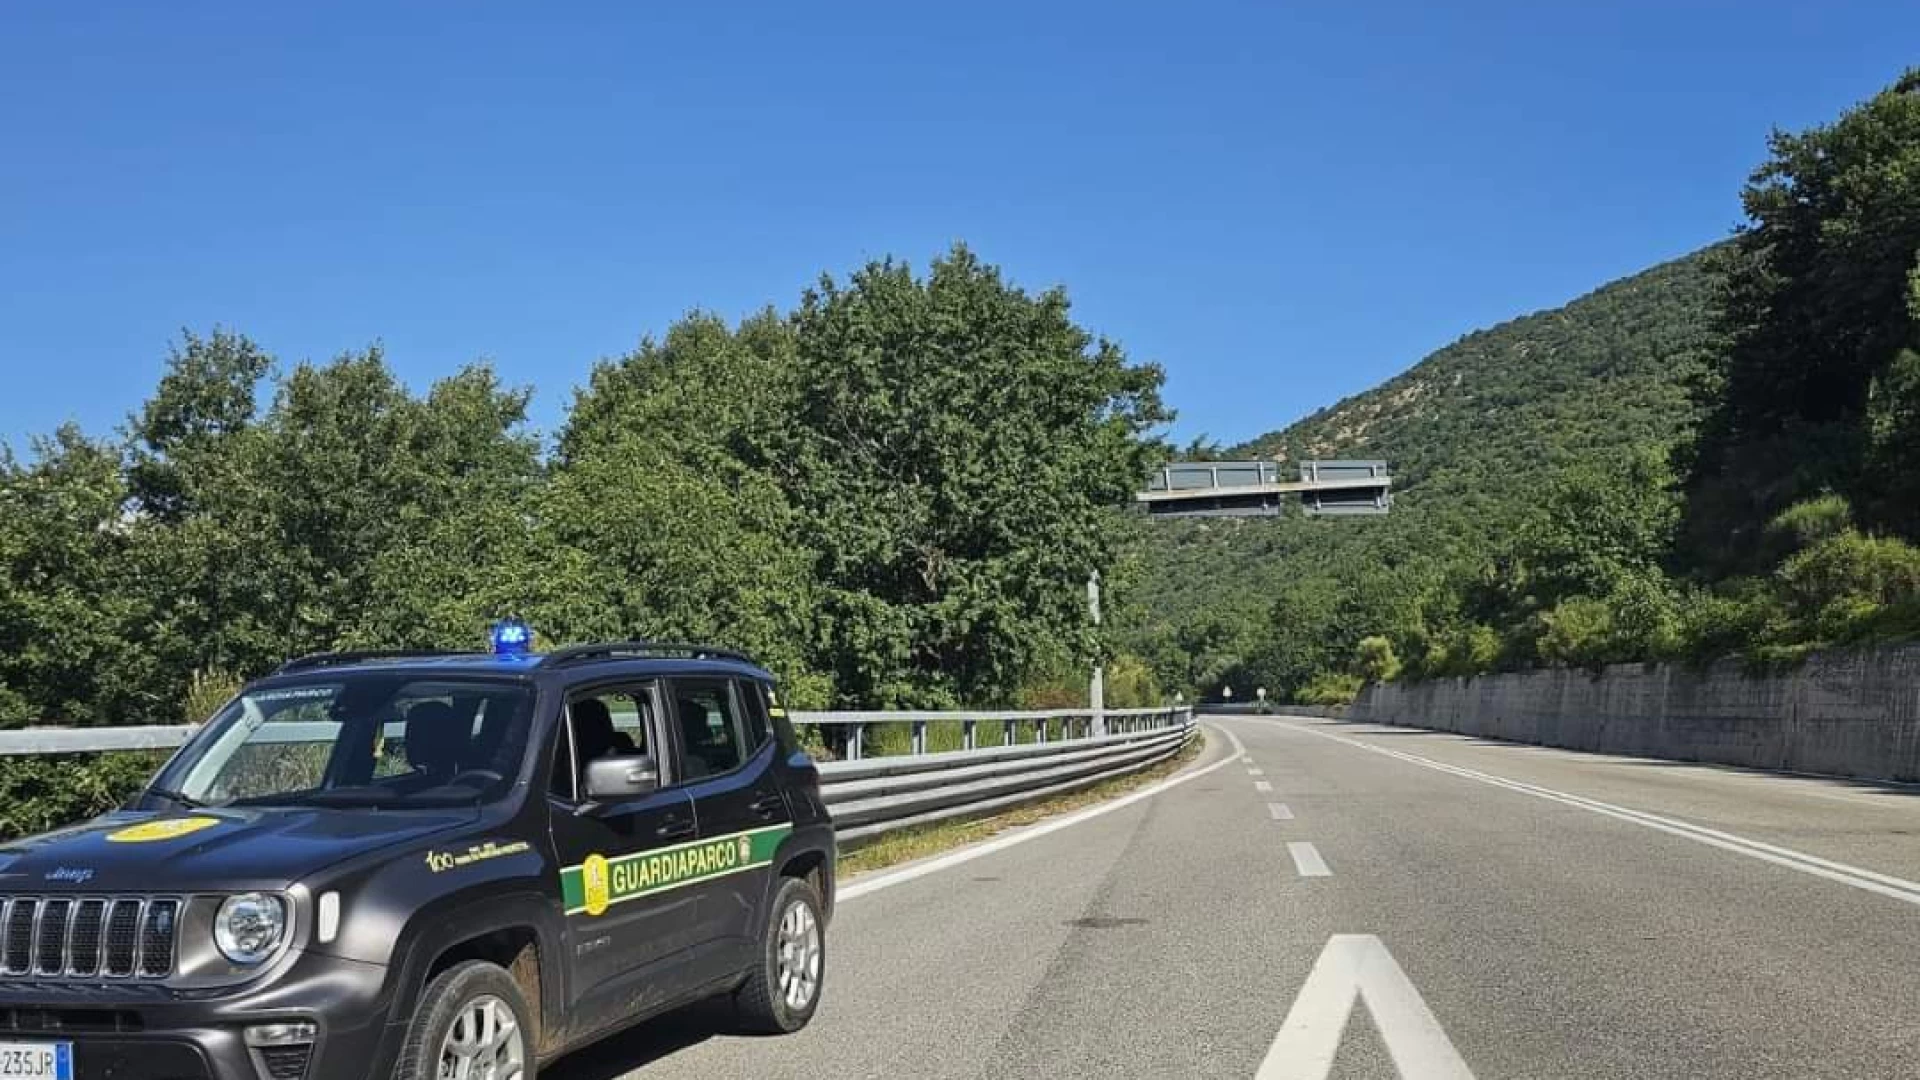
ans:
x=793 y=945
x=469 y=992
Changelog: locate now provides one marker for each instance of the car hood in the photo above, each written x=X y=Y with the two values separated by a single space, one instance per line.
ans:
x=211 y=850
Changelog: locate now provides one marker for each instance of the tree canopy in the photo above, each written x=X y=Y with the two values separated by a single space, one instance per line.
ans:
x=893 y=494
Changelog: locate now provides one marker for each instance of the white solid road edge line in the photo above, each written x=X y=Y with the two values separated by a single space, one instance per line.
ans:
x=1860 y=878
x=967 y=854
x=1307 y=860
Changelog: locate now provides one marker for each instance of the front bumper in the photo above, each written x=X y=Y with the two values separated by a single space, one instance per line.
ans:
x=149 y=1032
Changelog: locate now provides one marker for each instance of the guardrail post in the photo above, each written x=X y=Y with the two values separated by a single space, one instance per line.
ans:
x=966 y=734
x=854 y=742
x=1040 y=730
x=919 y=736
x=1006 y=734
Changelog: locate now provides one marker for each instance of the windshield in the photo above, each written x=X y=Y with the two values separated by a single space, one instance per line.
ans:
x=367 y=739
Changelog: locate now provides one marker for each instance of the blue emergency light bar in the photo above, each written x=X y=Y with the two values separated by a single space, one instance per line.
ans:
x=511 y=637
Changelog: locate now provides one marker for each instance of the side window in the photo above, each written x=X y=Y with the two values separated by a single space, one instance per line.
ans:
x=711 y=735
x=615 y=722
x=782 y=726
x=754 y=711
x=563 y=786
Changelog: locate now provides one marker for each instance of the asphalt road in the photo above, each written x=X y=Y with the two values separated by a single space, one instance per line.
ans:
x=1499 y=911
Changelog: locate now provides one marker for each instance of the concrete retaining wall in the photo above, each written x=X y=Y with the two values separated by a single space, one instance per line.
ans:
x=1851 y=713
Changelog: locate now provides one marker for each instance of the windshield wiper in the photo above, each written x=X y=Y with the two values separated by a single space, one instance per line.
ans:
x=184 y=801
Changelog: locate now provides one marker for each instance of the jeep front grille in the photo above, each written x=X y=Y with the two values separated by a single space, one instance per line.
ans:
x=112 y=937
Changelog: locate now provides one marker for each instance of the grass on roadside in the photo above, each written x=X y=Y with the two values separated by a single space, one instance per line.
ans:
x=917 y=843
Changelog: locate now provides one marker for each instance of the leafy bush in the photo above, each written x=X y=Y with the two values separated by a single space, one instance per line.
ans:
x=1853 y=567
x=1577 y=631
x=1131 y=685
x=207 y=691
x=1329 y=689
x=1374 y=660
x=1807 y=523
x=1646 y=619
x=1728 y=619
x=42 y=792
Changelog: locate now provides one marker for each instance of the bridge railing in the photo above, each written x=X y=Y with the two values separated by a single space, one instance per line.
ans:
x=951 y=764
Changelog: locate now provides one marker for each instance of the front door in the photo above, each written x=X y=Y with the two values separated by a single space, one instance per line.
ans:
x=726 y=757
x=629 y=949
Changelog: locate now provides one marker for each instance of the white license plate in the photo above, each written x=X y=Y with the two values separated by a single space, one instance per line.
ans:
x=38 y=1061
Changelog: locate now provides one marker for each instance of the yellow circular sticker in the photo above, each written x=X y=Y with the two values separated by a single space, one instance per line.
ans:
x=596 y=883
x=166 y=829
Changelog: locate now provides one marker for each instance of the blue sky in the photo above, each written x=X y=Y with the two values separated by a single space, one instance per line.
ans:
x=1283 y=203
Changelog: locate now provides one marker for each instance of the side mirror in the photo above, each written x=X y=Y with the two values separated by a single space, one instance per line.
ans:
x=622 y=777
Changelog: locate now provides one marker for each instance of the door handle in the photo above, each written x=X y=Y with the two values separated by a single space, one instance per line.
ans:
x=675 y=829
x=768 y=805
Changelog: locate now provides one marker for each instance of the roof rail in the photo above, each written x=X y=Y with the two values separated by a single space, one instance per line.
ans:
x=574 y=654
x=337 y=659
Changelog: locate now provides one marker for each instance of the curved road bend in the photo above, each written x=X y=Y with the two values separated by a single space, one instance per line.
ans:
x=1501 y=910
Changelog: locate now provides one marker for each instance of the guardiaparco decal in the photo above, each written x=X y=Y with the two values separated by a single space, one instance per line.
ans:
x=599 y=882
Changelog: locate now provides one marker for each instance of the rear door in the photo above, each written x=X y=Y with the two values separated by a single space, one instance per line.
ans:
x=726 y=755
x=631 y=946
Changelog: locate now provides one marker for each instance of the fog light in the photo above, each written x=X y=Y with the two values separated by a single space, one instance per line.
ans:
x=281 y=1034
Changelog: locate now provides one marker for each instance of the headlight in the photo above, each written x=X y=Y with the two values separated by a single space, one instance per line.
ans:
x=250 y=927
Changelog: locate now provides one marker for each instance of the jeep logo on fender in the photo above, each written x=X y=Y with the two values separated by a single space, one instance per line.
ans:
x=600 y=882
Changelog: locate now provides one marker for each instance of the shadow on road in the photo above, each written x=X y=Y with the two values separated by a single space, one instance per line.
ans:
x=1866 y=785
x=643 y=1045
x=1851 y=783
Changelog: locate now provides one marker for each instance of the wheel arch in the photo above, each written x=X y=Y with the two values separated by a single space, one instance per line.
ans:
x=809 y=857
x=518 y=933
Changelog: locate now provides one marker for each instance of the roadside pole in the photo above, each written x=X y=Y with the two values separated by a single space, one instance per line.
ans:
x=1097 y=690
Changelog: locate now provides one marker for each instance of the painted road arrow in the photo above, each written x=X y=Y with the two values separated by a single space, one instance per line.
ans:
x=1358 y=966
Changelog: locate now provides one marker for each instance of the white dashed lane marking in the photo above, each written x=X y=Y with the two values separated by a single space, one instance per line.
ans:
x=1262 y=785
x=1307 y=860
x=1279 y=811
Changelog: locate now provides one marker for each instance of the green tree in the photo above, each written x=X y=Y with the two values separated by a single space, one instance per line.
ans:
x=1817 y=314
x=1599 y=527
x=666 y=515
x=957 y=448
x=70 y=632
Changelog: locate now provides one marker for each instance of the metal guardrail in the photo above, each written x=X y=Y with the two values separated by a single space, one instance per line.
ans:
x=869 y=796
x=996 y=760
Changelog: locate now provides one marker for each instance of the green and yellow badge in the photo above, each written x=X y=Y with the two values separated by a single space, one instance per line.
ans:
x=596 y=883
x=148 y=832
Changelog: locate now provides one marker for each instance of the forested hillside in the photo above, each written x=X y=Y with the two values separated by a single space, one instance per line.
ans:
x=1716 y=456
x=1474 y=433
x=1606 y=372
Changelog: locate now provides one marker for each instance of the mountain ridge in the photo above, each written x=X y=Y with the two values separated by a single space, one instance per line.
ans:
x=1474 y=433
x=1377 y=421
